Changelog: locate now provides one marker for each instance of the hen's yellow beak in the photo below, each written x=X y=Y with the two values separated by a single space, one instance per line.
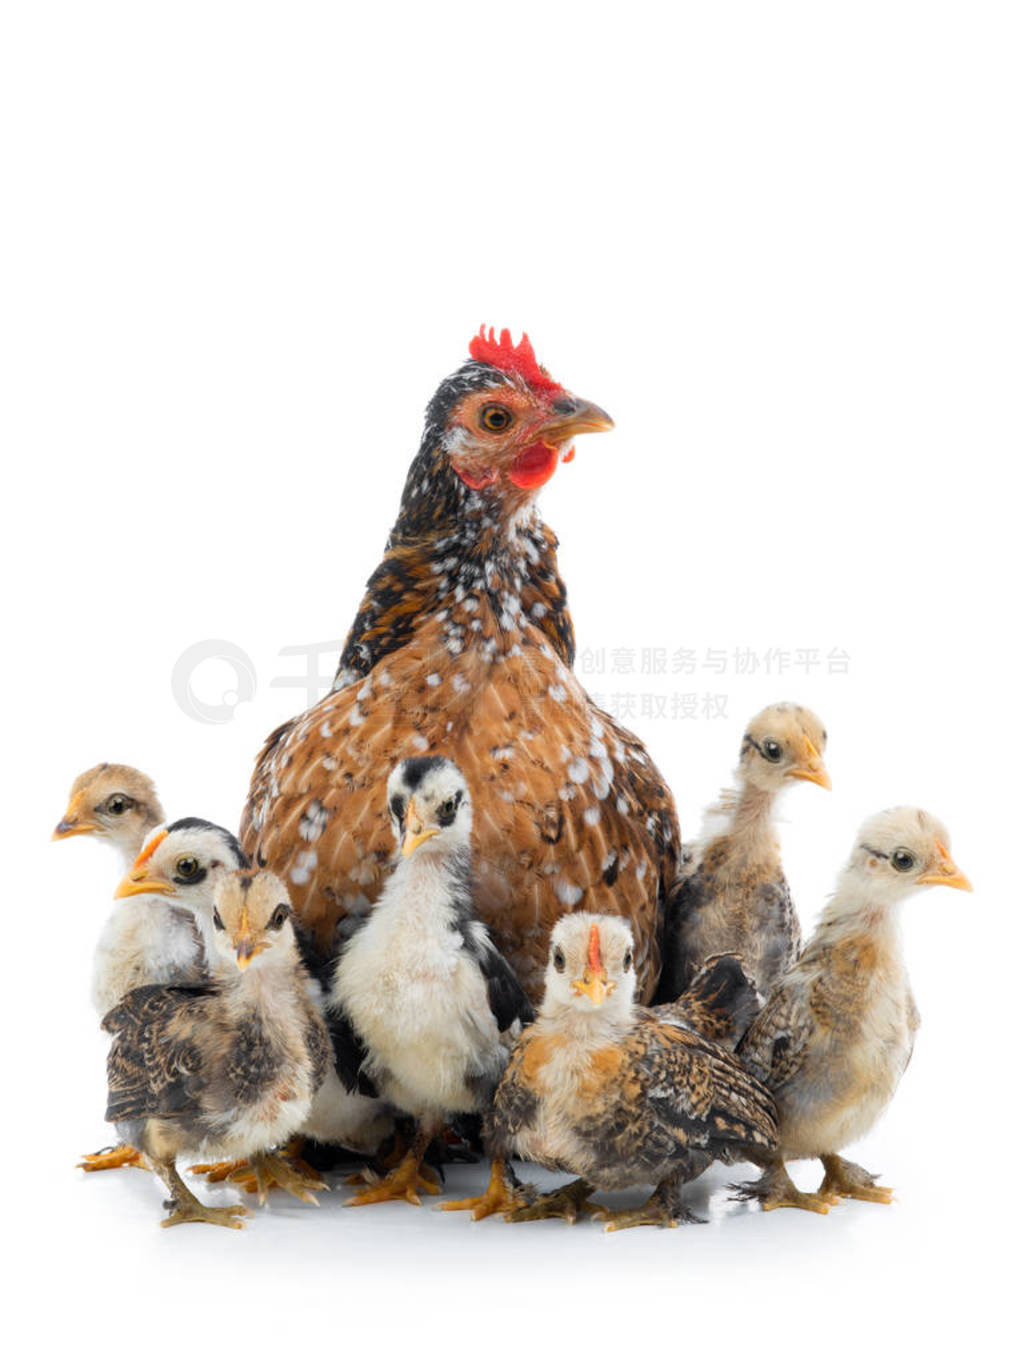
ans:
x=416 y=830
x=948 y=874
x=812 y=768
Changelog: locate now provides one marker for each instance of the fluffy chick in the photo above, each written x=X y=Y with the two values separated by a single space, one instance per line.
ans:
x=180 y=864
x=733 y=896
x=112 y=802
x=420 y=987
x=146 y=942
x=229 y=1066
x=837 y=1032
x=619 y=1095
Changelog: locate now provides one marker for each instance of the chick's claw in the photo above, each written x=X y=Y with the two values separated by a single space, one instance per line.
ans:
x=406 y=1182
x=112 y=1158
x=846 y=1180
x=568 y=1203
x=499 y=1197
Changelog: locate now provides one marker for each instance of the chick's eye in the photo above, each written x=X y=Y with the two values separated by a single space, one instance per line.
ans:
x=279 y=916
x=558 y=958
x=187 y=868
x=495 y=418
x=218 y=923
x=448 y=807
x=118 y=804
x=903 y=860
x=627 y=962
x=772 y=750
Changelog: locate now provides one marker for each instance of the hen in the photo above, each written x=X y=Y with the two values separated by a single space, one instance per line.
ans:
x=463 y=647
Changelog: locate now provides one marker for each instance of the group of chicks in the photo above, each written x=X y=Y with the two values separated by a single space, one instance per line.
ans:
x=227 y=1046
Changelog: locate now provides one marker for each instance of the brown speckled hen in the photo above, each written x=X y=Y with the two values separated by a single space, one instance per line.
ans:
x=463 y=647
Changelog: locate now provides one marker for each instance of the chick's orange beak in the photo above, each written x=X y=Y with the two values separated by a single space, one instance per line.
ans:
x=948 y=874
x=812 y=768
x=72 y=822
x=138 y=883
x=416 y=831
x=594 y=983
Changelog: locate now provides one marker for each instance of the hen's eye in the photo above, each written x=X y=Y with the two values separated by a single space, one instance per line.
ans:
x=558 y=959
x=118 y=803
x=903 y=860
x=279 y=916
x=187 y=868
x=218 y=923
x=495 y=418
x=772 y=750
x=627 y=962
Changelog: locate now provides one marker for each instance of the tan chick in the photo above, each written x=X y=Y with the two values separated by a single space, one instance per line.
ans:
x=733 y=896
x=837 y=1031
x=144 y=942
x=228 y=1068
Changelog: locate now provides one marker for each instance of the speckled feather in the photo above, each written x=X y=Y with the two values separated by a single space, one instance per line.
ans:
x=463 y=646
x=661 y=1102
x=721 y=908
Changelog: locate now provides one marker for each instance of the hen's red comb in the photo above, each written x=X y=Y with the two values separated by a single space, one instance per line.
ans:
x=511 y=359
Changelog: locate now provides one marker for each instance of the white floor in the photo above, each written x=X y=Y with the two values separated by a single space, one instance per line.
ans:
x=928 y=1271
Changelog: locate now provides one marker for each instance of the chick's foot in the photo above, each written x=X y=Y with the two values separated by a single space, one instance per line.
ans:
x=111 y=1158
x=408 y=1179
x=568 y=1202
x=846 y=1180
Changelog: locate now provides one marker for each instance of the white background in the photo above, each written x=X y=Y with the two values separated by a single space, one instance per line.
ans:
x=782 y=245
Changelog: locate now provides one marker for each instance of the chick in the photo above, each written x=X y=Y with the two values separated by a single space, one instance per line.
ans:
x=619 y=1095
x=180 y=864
x=837 y=1031
x=421 y=986
x=733 y=896
x=113 y=802
x=146 y=942
x=229 y=1066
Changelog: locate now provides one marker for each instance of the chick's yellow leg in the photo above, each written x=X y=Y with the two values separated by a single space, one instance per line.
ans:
x=186 y=1208
x=406 y=1181
x=260 y=1174
x=775 y=1190
x=846 y=1180
x=664 y=1209
x=111 y=1158
x=499 y=1197
x=568 y=1202
x=289 y=1173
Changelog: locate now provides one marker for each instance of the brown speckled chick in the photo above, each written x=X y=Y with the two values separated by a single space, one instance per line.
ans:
x=619 y=1095
x=733 y=897
x=229 y=1067
x=836 y=1033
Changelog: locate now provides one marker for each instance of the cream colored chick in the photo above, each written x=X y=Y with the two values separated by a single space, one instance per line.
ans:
x=148 y=941
x=733 y=896
x=836 y=1033
x=229 y=1067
